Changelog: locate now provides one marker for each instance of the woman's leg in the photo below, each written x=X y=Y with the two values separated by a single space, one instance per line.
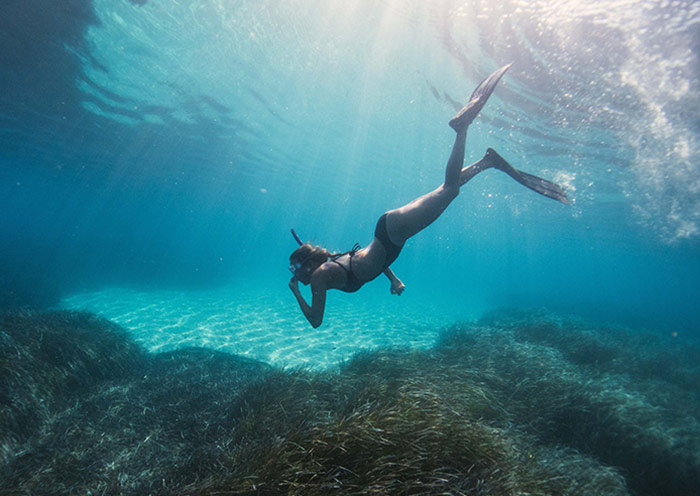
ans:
x=406 y=221
x=480 y=165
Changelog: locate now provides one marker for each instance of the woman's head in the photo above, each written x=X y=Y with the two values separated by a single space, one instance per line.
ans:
x=306 y=259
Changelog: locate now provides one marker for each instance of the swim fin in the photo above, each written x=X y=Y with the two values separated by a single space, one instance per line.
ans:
x=477 y=101
x=537 y=184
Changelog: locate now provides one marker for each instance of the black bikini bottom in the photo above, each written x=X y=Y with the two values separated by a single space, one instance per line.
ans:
x=392 y=250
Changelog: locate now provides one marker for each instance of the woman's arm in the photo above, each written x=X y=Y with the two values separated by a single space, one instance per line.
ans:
x=313 y=313
x=397 y=286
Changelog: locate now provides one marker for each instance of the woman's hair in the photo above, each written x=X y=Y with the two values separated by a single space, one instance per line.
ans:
x=308 y=252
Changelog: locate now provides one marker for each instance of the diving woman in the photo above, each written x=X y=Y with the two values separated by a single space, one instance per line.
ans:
x=348 y=271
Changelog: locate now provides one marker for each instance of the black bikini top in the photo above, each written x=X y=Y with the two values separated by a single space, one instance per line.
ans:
x=352 y=283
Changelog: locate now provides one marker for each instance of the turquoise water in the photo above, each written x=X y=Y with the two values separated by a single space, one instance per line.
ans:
x=154 y=155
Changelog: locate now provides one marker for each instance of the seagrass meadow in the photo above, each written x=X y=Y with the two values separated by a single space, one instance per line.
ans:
x=515 y=403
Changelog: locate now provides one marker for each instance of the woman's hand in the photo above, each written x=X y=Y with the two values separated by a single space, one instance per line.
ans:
x=314 y=312
x=294 y=285
x=397 y=287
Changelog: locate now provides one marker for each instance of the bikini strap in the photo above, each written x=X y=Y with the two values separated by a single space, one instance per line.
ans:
x=335 y=256
x=355 y=248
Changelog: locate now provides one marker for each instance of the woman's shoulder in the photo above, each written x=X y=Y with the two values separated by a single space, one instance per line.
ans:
x=330 y=274
x=329 y=269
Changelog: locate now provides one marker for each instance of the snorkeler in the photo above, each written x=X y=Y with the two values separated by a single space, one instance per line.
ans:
x=350 y=270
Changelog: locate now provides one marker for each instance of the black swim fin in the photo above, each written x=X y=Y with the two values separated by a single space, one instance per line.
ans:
x=537 y=184
x=478 y=99
x=542 y=186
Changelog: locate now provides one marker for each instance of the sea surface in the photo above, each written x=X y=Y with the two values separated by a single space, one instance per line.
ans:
x=155 y=154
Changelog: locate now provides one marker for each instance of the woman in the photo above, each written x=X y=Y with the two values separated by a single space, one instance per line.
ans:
x=350 y=270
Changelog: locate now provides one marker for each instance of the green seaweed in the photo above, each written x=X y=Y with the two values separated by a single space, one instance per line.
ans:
x=516 y=403
x=48 y=360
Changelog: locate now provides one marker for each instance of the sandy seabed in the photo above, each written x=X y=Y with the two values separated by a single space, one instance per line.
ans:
x=263 y=324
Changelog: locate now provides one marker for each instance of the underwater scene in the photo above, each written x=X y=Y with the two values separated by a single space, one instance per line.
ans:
x=164 y=165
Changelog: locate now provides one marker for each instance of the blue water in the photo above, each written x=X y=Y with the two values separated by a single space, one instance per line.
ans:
x=159 y=145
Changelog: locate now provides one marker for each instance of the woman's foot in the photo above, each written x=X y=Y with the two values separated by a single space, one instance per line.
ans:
x=477 y=101
x=498 y=162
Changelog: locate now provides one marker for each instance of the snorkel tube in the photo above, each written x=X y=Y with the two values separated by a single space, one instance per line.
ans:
x=297 y=238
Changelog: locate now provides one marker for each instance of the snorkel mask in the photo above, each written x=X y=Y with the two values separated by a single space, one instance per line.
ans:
x=293 y=268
